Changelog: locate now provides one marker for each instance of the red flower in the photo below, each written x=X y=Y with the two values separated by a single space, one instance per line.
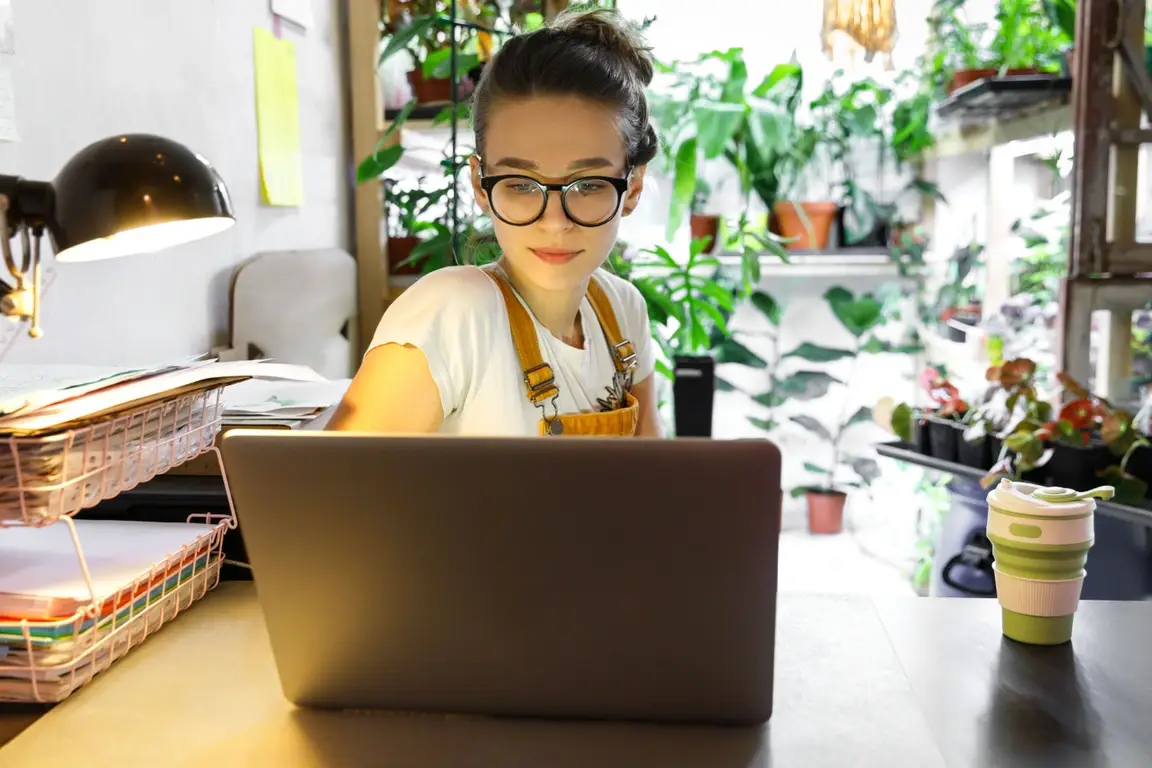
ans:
x=1079 y=414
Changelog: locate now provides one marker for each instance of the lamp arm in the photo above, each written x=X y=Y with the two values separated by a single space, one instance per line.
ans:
x=26 y=208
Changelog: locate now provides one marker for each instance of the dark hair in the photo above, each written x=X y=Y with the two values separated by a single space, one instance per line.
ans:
x=595 y=54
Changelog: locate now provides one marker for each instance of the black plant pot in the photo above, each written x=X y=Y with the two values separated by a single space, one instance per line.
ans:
x=879 y=237
x=920 y=439
x=693 y=393
x=944 y=438
x=1075 y=466
x=1140 y=466
x=995 y=446
x=975 y=455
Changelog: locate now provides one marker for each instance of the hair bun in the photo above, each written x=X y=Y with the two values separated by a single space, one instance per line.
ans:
x=607 y=29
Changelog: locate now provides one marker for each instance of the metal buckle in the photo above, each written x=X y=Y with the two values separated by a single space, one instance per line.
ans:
x=626 y=354
x=545 y=387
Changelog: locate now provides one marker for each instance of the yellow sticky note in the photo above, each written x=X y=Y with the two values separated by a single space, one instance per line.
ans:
x=278 y=120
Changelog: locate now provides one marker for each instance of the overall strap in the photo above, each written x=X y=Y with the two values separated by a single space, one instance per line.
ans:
x=623 y=351
x=538 y=377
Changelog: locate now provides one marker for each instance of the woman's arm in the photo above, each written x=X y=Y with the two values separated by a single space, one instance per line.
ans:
x=393 y=392
x=649 y=423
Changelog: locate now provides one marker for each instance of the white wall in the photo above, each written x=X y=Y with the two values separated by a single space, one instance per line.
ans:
x=87 y=69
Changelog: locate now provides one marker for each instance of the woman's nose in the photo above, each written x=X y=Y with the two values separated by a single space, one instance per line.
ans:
x=554 y=218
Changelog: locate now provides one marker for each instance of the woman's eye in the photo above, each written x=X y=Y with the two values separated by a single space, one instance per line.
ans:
x=523 y=189
x=590 y=187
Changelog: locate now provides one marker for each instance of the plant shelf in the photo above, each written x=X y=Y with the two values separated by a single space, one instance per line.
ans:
x=900 y=451
x=999 y=110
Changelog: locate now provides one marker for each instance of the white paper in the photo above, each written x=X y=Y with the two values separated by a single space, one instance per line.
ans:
x=61 y=413
x=296 y=11
x=8 y=130
x=283 y=398
x=35 y=386
x=43 y=561
x=7 y=28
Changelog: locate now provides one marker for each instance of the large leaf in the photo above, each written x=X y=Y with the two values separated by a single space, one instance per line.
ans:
x=816 y=468
x=419 y=29
x=765 y=424
x=716 y=124
x=806 y=385
x=733 y=92
x=902 y=422
x=779 y=74
x=768 y=307
x=732 y=351
x=438 y=65
x=863 y=414
x=770 y=126
x=813 y=426
x=868 y=469
x=683 y=186
x=814 y=353
x=769 y=399
x=857 y=315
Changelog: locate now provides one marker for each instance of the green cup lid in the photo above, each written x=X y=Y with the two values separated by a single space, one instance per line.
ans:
x=1057 y=495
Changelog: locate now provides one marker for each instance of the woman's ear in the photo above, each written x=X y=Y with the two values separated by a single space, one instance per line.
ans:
x=635 y=187
x=477 y=190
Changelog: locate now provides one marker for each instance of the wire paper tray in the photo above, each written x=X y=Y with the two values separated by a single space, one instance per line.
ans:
x=45 y=661
x=43 y=479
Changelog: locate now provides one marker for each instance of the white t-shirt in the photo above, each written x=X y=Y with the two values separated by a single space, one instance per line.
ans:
x=456 y=317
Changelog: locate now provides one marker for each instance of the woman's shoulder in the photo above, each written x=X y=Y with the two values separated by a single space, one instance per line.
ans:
x=457 y=289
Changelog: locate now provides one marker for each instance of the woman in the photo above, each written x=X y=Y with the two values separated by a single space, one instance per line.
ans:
x=544 y=341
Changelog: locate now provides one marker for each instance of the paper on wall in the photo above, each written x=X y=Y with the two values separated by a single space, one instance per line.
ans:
x=296 y=11
x=7 y=28
x=8 y=130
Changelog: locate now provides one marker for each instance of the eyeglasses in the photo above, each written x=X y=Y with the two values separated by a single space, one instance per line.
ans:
x=590 y=201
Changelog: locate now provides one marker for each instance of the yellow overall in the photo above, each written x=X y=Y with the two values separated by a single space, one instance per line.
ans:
x=541 y=385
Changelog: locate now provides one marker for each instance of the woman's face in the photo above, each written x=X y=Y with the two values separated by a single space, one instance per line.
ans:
x=555 y=140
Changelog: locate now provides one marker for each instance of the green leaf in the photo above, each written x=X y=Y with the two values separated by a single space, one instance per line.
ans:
x=902 y=422
x=683 y=186
x=438 y=64
x=816 y=354
x=716 y=124
x=816 y=469
x=868 y=469
x=769 y=399
x=765 y=424
x=875 y=346
x=806 y=385
x=732 y=351
x=376 y=164
x=768 y=307
x=417 y=30
x=813 y=426
x=770 y=126
x=733 y=92
x=779 y=74
x=723 y=385
x=863 y=414
x=857 y=315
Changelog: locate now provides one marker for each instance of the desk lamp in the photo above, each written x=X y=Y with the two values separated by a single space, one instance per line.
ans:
x=133 y=193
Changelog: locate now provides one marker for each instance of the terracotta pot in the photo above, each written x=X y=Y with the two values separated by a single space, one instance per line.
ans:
x=826 y=511
x=704 y=225
x=820 y=217
x=399 y=249
x=430 y=90
x=963 y=77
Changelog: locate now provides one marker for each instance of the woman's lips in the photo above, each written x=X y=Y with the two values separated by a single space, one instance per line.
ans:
x=554 y=255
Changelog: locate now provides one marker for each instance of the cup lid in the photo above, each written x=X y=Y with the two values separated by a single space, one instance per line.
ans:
x=1050 y=501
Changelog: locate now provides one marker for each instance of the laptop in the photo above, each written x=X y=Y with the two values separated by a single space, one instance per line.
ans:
x=583 y=578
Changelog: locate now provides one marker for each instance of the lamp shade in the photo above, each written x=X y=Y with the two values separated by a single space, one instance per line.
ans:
x=135 y=193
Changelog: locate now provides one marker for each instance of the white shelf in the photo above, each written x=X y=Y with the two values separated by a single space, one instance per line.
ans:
x=955 y=138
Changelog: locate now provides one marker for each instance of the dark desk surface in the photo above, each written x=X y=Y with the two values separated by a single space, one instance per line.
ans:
x=894 y=682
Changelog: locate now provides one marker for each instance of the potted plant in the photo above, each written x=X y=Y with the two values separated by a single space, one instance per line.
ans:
x=860 y=316
x=701 y=224
x=958 y=301
x=689 y=305
x=422 y=28
x=945 y=420
x=404 y=208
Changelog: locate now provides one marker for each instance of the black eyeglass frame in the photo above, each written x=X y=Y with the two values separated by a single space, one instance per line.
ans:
x=487 y=183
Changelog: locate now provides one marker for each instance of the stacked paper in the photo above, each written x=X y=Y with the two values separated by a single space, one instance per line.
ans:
x=280 y=403
x=141 y=574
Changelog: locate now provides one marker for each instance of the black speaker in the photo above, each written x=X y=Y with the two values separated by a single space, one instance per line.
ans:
x=693 y=391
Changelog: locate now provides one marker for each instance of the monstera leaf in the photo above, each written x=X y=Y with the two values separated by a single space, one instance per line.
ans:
x=814 y=353
x=858 y=315
x=804 y=385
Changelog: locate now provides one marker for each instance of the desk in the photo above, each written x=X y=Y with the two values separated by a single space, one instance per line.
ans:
x=895 y=682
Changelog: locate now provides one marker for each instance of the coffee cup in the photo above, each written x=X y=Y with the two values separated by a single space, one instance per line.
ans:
x=1040 y=540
